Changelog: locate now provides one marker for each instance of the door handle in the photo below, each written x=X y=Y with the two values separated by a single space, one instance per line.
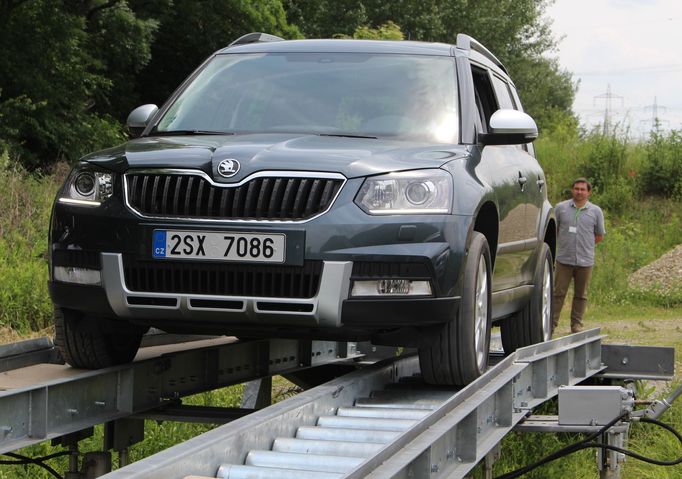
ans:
x=540 y=184
x=522 y=181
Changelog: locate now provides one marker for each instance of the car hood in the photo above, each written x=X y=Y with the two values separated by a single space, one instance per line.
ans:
x=352 y=157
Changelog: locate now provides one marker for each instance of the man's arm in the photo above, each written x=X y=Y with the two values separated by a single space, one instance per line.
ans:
x=599 y=229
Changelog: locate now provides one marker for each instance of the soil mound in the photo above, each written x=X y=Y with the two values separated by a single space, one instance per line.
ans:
x=664 y=274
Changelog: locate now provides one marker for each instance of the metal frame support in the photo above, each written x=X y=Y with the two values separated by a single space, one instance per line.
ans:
x=609 y=462
x=70 y=400
x=257 y=394
x=490 y=459
x=120 y=434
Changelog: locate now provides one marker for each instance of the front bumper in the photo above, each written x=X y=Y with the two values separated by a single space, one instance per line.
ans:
x=330 y=308
x=322 y=310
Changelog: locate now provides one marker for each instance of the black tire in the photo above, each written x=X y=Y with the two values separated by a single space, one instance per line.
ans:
x=459 y=354
x=86 y=343
x=533 y=324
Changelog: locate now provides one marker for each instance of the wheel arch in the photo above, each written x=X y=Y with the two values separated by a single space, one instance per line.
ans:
x=550 y=236
x=548 y=228
x=487 y=223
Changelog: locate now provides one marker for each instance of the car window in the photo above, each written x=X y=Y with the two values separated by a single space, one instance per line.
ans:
x=411 y=97
x=517 y=100
x=504 y=98
x=486 y=102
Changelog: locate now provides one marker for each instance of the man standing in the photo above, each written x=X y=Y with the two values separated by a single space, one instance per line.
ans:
x=580 y=227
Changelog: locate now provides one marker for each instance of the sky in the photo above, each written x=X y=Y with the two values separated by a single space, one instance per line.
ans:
x=632 y=48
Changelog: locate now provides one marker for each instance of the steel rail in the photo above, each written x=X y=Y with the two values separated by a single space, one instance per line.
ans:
x=458 y=429
x=44 y=401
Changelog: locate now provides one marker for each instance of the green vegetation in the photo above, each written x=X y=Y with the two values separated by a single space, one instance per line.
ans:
x=71 y=71
x=24 y=219
x=642 y=221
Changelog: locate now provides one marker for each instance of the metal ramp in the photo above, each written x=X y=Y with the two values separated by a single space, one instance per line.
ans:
x=43 y=400
x=380 y=422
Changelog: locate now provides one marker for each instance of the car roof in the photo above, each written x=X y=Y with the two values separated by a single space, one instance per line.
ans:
x=343 y=46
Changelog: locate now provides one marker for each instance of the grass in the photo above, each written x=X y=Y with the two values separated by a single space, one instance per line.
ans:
x=26 y=203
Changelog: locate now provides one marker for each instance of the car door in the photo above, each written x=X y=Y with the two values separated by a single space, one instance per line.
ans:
x=535 y=192
x=503 y=167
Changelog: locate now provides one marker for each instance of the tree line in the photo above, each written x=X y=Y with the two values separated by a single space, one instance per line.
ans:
x=71 y=70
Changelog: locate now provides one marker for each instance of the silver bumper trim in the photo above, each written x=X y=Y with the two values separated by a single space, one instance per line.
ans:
x=323 y=310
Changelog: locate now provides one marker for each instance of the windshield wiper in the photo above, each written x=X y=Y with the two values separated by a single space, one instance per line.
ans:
x=189 y=132
x=347 y=135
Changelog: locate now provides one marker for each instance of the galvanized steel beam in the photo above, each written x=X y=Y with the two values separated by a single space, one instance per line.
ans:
x=48 y=400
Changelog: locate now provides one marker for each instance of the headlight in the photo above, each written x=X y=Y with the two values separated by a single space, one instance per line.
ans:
x=87 y=186
x=409 y=192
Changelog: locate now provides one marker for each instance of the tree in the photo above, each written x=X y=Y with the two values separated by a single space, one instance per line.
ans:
x=190 y=31
x=63 y=65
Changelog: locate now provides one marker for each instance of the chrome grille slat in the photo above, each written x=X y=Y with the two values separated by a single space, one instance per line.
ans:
x=155 y=190
x=200 y=197
x=164 y=198
x=143 y=194
x=188 y=195
x=167 y=194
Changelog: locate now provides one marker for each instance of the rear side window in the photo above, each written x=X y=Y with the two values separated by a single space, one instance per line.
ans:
x=486 y=104
x=503 y=94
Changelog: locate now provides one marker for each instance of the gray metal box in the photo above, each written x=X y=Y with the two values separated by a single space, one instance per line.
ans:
x=593 y=405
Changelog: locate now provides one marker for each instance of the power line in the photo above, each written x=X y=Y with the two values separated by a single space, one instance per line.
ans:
x=656 y=122
x=608 y=98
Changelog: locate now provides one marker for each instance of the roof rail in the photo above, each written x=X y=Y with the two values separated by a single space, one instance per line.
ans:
x=465 y=42
x=255 y=37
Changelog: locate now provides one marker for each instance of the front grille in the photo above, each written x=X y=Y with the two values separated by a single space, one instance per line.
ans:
x=383 y=269
x=220 y=279
x=262 y=198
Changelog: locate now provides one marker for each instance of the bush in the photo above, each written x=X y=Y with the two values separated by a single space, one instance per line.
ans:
x=662 y=173
x=24 y=219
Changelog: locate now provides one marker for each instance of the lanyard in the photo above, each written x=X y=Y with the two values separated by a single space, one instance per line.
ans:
x=577 y=213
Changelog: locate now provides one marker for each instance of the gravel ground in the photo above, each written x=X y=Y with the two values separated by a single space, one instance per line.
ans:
x=664 y=274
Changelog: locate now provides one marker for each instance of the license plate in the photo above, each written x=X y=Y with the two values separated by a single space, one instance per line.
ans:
x=252 y=247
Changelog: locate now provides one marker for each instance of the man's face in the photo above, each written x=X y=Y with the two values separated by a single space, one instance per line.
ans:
x=580 y=192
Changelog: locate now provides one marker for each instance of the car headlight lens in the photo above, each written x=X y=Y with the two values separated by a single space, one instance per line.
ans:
x=409 y=192
x=87 y=186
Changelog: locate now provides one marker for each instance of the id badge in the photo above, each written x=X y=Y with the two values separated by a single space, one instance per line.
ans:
x=572 y=229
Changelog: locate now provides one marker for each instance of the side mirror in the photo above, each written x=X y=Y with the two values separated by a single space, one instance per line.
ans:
x=509 y=127
x=139 y=119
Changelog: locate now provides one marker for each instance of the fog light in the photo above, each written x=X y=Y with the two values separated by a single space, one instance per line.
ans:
x=391 y=287
x=69 y=274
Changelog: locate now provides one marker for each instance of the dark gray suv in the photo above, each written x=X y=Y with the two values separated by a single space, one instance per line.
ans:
x=327 y=189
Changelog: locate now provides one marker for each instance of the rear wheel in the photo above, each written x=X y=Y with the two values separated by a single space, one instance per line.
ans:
x=533 y=324
x=460 y=352
x=94 y=343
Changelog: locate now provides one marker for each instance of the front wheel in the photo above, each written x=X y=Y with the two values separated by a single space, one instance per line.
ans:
x=459 y=354
x=533 y=324
x=86 y=343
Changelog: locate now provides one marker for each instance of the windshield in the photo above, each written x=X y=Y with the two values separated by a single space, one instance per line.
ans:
x=410 y=97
